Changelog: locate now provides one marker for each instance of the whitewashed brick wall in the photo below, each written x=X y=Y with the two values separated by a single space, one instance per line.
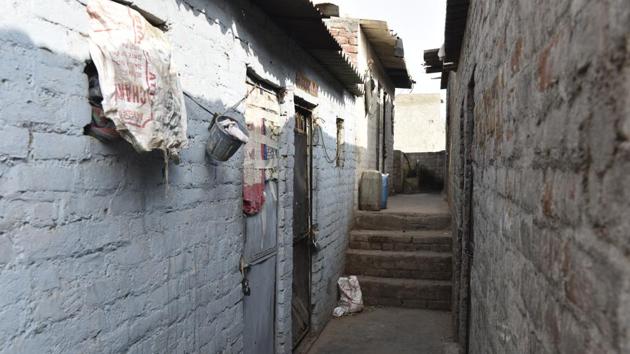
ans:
x=95 y=254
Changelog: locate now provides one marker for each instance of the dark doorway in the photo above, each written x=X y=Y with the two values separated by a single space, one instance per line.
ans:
x=383 y=128
x=302 y=221
x=380 y=118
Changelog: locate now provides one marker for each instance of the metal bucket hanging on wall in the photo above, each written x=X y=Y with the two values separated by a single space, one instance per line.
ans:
x=227 y=135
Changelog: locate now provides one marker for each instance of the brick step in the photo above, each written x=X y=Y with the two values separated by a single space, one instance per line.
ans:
x=374 y=220
x=398 y=264
x=410 y=293
x=390 y=240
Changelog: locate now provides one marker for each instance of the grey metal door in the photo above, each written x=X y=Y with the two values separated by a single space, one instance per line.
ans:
x=260 y=275
x=260 y=191
x=301 y=294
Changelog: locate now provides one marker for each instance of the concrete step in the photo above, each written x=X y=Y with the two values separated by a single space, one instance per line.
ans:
x=411 y=293
x=397 y=264
x=390 y=240
x=375 y=220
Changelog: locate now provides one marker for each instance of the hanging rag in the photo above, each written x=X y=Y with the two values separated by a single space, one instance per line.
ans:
x=253 y=175
x=263 y=122
x=231 y=127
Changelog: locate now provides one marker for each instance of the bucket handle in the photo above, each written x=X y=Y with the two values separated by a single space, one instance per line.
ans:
x=215 y=115
x=214 y=119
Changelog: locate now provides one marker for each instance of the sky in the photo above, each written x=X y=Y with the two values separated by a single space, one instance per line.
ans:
x=420 y=23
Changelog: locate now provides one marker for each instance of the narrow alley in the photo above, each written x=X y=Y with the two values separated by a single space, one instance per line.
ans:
x=402 y=256
x=315 y=177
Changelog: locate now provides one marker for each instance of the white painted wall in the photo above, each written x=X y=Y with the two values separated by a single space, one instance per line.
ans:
x=419 y=125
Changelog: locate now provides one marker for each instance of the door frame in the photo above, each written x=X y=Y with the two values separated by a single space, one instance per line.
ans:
x=307 y=109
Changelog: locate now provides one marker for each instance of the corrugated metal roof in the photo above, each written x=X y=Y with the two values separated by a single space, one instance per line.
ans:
x=455 y=26
x=454 y=30
x=303 y=22
x=432 y=62
x=389 y=49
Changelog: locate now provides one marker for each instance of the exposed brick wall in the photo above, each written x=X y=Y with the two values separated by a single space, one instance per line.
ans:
x=95 y=252
x=550 y=150
x=346 y=32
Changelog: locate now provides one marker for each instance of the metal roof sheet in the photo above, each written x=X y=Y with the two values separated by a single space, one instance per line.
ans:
x=389 y=49
x=432 y=62
x=455 y=26
x=454 y=30
x=303 y=22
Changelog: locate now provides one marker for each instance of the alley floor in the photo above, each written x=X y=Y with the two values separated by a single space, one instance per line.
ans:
x=402 y=257
x=384 y=330
x=418 y=204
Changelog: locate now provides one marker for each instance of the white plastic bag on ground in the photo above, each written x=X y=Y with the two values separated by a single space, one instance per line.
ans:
x=350 y=298
x=140 y=87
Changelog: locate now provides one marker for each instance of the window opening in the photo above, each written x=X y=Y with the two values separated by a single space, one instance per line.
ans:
x=100 y=127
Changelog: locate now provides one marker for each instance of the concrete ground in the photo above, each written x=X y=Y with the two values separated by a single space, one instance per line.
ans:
x=421 y=203
x=385 y=330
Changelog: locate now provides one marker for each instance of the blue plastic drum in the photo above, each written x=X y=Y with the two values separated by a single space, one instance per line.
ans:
x=384 y=190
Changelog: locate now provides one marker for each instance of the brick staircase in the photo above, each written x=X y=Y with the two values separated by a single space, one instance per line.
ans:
x=402 y=259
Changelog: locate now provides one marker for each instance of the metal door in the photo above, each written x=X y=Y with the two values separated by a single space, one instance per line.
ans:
x=261 y=229
x=260 y=275
x=302 y=176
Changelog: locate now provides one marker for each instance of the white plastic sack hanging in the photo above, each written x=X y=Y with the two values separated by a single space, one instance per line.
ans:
x=141 y=90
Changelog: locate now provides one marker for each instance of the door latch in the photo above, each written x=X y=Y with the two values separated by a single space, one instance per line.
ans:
x=246 y=289
x=244 y=282
x=315 y=246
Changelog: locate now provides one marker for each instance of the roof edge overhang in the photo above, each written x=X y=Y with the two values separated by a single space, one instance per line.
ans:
x=433 y=64
x=432 y=61
x=454 y=31
x=303 y=22
x=389 y=49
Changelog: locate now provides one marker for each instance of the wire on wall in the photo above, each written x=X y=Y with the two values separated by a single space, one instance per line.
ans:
x=214 y=114
x=321 y=134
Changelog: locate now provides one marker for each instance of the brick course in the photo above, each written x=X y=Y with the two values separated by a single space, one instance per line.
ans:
x=551 y=188
x=95 y=252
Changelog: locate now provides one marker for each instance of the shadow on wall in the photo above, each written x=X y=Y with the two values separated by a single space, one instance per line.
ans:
x=92 y=244
x=90 y=236
x=261 y=44
x=424 y=172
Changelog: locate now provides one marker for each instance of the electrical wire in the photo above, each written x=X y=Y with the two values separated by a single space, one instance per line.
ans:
x=319 y=127
x=214 y=114
x=198 y=104
x=326 y=156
